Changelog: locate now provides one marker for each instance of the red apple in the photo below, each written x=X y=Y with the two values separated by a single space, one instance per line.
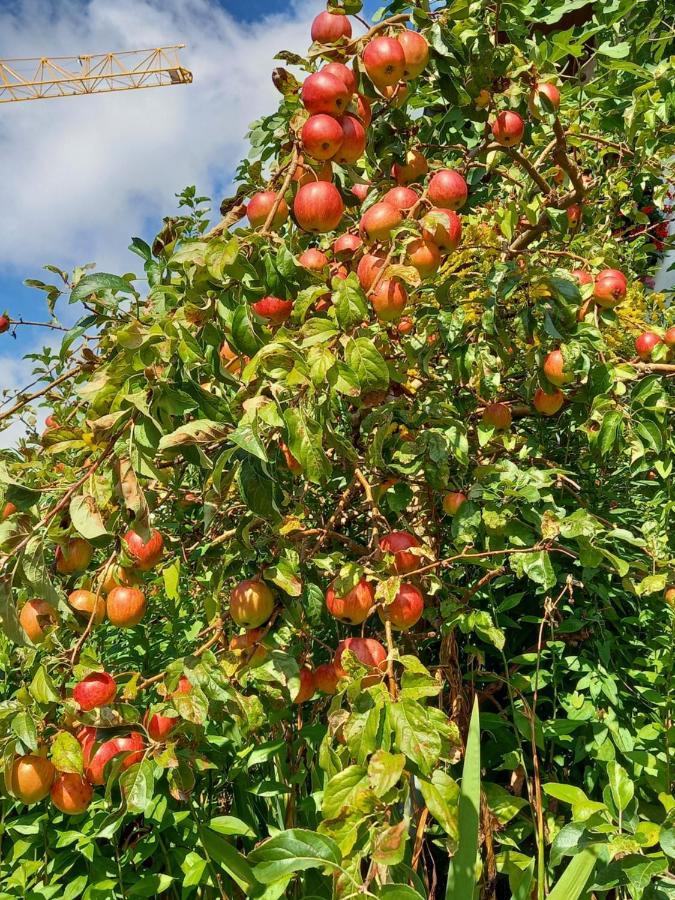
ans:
x=645 y=343
x=326 y=678
x=144 y=553
x=85 y=602
x=363 y=110
x=71 y=793
x=31 y=778
x=251 y=603
x=313 y=259
x=453 y=502
x=554 y=369
x=405 y=325
x=318 y=207
x=36 y=617
x=353 y=143
x=414 y=168
x=291 y=462
x=497 y=416
x=669 y=337
x=133 y=744
x=305 y=174
x=126 y=606
x=325 y=93
x=574 y=214
x=328 y=28
x=402 y=197
x=307 y=688
x=321 y=136
x=248 y=640
x=543 y=89
x=274 y=309
x=360 y=190
x=368 y=651
x=610 y=288
x=4 y=323
x=159 y=727
x=508 y=128
x=389 y=299
x=368 y=269
x=399 y=543
x=379 y=221
x=447 y=189
x=51 y=422
x=8 y=510
x=548 y=404
x=344 y=73
x=415 y=52
x=355 y=606
x=582 y=277
x=443 y=227
x=384 y=60
x=97 y=689
x=424 y=256
x=259 y=208
x=406 y=609
x=74 y=556
x=346 y=246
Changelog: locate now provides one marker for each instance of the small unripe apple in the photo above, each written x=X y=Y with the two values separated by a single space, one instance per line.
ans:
x=443 y=227
x=368 y=269
x=353 y=142
x=126 y=606
x=36 y=617
x=355 y=606
x=389 y=299
x=321 y=136
x=610 y=288
x=413 y=169
x=318 y=207
x=379 y=221
x=307 y=689
x=71 y=793
x=326 y=678
x=274 y=309
x=548 y=404
x=31 y=778
x=415 y=52
x=325 y=93
x=144 y=553
x=554 y=369
x=424 y=256
x=399 y=543
x=368 y=651
x=669 y=337
x=448 y=189
x=97 y=689
x=497 y=416
x=251 y=603
x=402 y=197
x=543 y=89
x=85 y=602
x=453 y=501
x=645 y=343
x=384 y=60
x=74 y=556
x=346 y=246
x=5 y=322
x=344 y=73
x=406 y=609
x=328 y=28
x=51 y=422
x=260 y=206
x=363 y=110
x=508 y=128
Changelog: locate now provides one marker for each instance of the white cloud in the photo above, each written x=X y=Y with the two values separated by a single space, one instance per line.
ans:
x=80 y=176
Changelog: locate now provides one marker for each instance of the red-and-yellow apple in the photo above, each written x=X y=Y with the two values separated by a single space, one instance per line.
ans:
x=406 y=609
x=399 y=544
x=321 y=136
x=325 y=93
x=126 y=606
x=384 y=60
x=71 y=793
x=389 y=299
x=328 y=28
x=96 y=689
x=508 y=128
x=31 y=778
x=36 y=617
x=355 y=606
x=251 y=603
x=318 y=207
x=259 y=207
x=448 y=189
x=145 y=552
x=415 y=52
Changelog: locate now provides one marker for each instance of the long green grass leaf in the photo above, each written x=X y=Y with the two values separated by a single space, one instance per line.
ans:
x=462 y=871
x=575 y=877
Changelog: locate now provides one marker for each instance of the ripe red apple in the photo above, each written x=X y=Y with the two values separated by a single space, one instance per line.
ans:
x=36 y=617
x=326 y=678
x=610 y=288
x=71 y=793
x=402 y=197
x=545 y=89
x=368 y=651
x=399 y=543
x=84 y=603
x=645 y=343
x=360 y=190
x=74 y=556
x=328 y=28
x=97 y=689
x=368 y=269
x=144 y=553
x=126 y=606
x=159 y=727
x=453 y=502
x=325 y=93
x=291 y=462
x=582 y=276
x=497 y=416
x=447 y=189
x=415 y=52
x=8 y=510
x=346 y=246
x=395 y=94
x=554 y=369
x=353 y=143
x=4 y=323
x=307 y=689
x=414 y=168
x=321 y=136
x=406 y=609
x=240 y=643
x=232 y=361
x=443 y=227
x=344 y=73
x=133 y=744
x=574 y=213
x=379 y=221
x=424 y=256
x=669 y=337
x=508 y=128
x=116 y=575
x=548 y=404
x=305 y=174
x=251 y=603
x=363 y=110
x=405 y=325
x=318 y=207
x=259 y=208
x=389 y=299
x=51 y=422
x=384 y=60
x=274 y=309
x=355 y=606
x=31 y=778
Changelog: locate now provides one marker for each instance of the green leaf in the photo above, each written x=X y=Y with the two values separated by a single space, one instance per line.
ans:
x=384 y=771
x=92 y=284
x=582 y=807
x=462 y=871
x=349 y=302
x=259 y=491
x=86 y=517
x=228 y=858
x=201 y=431
x=305 y=438
x=397 y=892
x=575 y=877
x=42 y=687
x=414 y=735
x=231 y=825
x=342 y=791
x=368 y=364
x=66 y=753
x=621 y=786
x=137 y=784
x=294 y=851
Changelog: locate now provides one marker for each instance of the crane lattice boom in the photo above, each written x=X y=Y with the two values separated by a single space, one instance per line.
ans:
x=65 y=76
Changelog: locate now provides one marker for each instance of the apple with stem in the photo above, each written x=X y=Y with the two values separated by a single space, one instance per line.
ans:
x=251 y=603
x=355 y=606
x=260 y=206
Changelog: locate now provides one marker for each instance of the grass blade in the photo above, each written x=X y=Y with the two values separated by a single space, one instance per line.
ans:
x=575 y=877
x=462 y=871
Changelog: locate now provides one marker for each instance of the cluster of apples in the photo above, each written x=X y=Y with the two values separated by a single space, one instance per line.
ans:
x=646 y=342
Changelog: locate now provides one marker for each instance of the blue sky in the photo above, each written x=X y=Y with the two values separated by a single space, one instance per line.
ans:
x=81 y=176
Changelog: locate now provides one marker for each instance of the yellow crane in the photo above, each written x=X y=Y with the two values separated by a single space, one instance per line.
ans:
x=43 y=78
